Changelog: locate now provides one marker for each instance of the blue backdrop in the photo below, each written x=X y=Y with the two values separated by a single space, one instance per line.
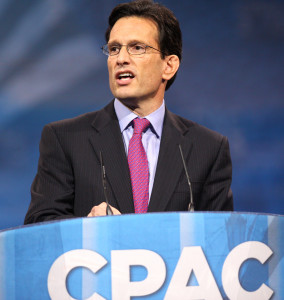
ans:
x=231 y=80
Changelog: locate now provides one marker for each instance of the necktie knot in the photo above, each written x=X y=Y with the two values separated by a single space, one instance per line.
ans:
x=140 y=125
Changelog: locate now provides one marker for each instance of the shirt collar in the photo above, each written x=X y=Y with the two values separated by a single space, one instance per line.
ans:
x=126 y=116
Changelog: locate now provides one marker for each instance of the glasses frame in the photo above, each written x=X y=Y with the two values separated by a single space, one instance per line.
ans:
x=106 y=51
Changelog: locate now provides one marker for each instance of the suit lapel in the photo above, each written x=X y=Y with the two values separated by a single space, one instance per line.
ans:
x=107 y=139
x=169 y=167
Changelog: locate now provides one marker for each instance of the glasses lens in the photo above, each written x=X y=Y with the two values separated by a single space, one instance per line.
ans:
x=105 y=49
x=113 y=49
x=136 y=48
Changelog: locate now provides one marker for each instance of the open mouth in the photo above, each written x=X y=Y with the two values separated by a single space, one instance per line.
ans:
x=125 y=76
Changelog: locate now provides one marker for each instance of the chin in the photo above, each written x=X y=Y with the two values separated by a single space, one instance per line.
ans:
x=125 y=92
x=125 y=96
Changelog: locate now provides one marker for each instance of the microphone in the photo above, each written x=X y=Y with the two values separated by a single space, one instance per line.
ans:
x=191 y=204
x=109 y=211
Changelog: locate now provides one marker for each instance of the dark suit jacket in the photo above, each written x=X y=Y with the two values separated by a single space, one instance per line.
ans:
x=69 y=183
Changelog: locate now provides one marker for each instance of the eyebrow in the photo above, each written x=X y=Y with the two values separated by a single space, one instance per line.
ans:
x=132 y=41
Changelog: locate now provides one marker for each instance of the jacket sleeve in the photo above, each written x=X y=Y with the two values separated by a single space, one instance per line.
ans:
x=52 y=191
x=216 y=193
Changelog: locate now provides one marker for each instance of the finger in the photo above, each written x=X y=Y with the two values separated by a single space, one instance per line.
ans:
x=98 y=210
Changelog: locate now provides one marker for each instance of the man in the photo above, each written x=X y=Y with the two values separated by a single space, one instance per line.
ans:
x=144 y=171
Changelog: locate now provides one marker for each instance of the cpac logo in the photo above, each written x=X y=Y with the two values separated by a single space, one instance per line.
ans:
x=192 y=259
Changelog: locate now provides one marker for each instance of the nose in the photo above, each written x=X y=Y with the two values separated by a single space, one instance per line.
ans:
x=123 y=56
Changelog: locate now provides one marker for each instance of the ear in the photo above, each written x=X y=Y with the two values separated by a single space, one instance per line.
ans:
x=171 y=66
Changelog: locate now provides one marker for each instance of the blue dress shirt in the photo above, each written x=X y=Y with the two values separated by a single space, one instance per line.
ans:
x=151 y=139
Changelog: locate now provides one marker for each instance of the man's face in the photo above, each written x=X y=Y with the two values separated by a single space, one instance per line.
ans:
x=146 y=80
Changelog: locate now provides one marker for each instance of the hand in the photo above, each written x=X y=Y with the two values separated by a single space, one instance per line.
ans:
x=100 y=210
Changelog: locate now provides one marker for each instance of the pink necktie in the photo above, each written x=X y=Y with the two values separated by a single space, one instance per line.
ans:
x=138 y=167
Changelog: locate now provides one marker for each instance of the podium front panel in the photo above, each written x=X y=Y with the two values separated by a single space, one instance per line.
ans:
x=149 y=256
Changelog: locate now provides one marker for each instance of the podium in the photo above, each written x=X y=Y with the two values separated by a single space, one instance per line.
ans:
x=199 y=255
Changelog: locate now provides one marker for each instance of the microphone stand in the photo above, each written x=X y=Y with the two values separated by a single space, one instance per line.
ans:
x=191 y=204
x=109 y=211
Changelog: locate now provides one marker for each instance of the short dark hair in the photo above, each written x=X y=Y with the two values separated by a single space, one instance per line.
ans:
x=170 y=37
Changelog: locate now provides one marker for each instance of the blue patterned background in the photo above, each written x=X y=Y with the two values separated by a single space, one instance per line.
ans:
x=231 y=80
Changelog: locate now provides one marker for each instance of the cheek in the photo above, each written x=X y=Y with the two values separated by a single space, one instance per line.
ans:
x=110 y=64
x=110 y=72
x=109 y=67
x=153 y=75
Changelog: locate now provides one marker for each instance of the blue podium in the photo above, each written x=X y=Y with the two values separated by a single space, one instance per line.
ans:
x=150 y=256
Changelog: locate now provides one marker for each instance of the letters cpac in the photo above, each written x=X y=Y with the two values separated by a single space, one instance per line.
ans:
x=192 y=259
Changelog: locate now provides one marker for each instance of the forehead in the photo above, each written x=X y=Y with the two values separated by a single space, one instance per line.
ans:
x=129 y=29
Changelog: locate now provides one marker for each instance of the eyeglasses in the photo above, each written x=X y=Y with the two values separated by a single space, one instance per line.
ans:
x=134 y=48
